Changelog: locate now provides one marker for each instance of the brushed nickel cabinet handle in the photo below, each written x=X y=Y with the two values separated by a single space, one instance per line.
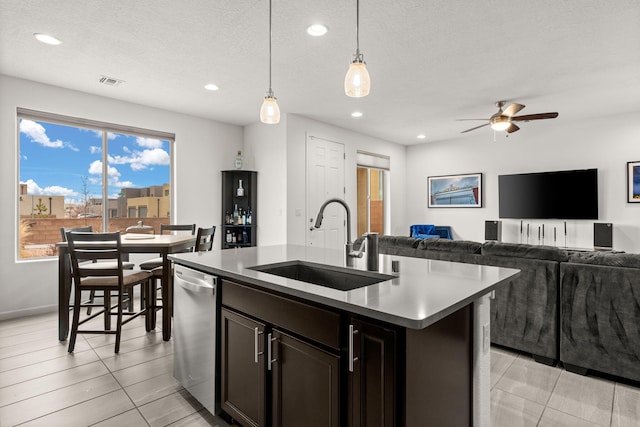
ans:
x=352 y=359
x=256 y=342
x=270 y=360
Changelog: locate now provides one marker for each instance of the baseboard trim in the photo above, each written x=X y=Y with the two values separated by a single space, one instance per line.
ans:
x=7 y=315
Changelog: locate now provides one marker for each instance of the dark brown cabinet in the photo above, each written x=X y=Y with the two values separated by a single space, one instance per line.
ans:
x=289 y=363
x=271 y=374
x=239 y=202
x=242 y=369
x=305 y=384
x=372 y=375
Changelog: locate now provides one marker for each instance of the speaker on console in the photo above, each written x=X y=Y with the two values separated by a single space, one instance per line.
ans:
x=602 y=235
x=493 y=230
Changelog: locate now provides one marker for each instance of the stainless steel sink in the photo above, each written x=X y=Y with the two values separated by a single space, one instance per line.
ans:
x=342 y=279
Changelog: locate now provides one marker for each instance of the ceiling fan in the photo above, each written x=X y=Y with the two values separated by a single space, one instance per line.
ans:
x=505 y=118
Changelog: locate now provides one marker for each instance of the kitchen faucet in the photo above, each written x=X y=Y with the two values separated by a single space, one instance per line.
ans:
x=349 y=252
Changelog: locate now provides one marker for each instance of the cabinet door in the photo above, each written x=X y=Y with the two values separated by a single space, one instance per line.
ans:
x=305 y=384
x=372 y=383
x=242 y=369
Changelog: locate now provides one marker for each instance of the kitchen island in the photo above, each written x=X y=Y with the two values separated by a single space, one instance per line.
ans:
x=411 y=349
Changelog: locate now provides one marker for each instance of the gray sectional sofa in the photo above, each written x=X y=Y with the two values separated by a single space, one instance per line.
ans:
x=579 y=308
x=524 y=313
x=600 y=313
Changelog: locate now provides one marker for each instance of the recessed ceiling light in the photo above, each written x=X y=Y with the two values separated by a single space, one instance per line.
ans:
x=356 y=114
x=211 y=86
x=317 y=30
x=422 y=136
x=45 y=38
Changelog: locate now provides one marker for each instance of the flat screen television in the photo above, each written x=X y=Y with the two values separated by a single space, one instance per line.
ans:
x=569 y=194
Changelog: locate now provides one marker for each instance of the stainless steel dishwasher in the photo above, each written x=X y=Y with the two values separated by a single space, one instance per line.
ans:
x=194 y=334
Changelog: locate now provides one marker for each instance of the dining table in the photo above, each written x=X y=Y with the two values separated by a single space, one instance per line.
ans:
x=130 y=243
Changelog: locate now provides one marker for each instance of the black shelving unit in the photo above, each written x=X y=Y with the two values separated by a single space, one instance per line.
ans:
x=239 y=218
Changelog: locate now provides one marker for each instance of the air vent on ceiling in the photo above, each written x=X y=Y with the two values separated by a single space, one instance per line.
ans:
x=109 y=81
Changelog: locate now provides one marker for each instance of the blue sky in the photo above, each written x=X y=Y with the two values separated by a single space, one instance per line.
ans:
x=55 y=158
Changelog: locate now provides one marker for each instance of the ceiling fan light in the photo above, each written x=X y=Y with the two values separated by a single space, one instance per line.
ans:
x=500 y=123
x=270 y=112
x=357 y=82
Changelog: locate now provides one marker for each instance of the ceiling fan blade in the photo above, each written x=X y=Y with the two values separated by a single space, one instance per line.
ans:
x=477 y=127
x=539 y=116
x=512 y=128
x=512 y=109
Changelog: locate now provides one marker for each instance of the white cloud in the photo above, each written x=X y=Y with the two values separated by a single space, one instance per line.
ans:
x=120 y=184
x=56 y=190
x=140 y=160
x=95 y=150
x=32 y=187
x=38 y=134
x=157 y=156
x=148 y=142
x=95 y=168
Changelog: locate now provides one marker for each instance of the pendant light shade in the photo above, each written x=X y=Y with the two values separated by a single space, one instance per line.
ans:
x=270 y=112
x=357 y=82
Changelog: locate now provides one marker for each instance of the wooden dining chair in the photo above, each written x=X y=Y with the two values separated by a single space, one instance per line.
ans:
x=105 y=250
x=155 y=264
x=92 y=294
x=204 y=239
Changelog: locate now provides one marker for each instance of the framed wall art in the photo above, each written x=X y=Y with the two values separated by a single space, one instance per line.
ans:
x=633 y=182
x=455 y=191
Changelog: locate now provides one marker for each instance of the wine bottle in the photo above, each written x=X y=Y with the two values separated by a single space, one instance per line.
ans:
x=238 y=161
x=240 y=190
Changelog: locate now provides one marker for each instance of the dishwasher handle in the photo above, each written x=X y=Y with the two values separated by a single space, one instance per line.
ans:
x=196 y=285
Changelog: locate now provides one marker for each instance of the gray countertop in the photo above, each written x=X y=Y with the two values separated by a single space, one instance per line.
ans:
x=424 y=292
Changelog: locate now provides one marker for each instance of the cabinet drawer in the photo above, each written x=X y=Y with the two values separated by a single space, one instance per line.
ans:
x=311 y=322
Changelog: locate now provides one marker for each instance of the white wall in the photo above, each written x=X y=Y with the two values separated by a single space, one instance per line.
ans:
x=607 y=143
x=297 y=129
x=202 y=149
x=265 y=151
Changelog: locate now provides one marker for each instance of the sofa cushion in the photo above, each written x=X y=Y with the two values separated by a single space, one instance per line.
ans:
x=611 y=259
x=399 y=241
x=394 y=243
x=461 y=246
x=521 y=250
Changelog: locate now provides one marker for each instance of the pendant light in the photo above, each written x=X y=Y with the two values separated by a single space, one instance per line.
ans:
x=270 y=112
x=357 y=82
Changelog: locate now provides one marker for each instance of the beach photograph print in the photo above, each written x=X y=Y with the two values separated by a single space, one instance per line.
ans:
x=450 y=191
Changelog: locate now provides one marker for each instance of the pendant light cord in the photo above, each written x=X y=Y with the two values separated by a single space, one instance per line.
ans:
x=270 y=36
x=357 y=28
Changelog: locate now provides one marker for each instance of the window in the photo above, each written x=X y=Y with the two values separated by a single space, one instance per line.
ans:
x=75 y=172
x=371 y=192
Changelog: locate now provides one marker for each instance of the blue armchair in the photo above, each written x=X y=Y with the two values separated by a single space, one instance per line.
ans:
x=430 y=231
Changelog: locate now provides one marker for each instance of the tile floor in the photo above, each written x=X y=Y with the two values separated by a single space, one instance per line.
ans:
x=41 y=384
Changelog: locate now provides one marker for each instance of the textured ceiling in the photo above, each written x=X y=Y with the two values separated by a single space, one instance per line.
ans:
x=430 y=61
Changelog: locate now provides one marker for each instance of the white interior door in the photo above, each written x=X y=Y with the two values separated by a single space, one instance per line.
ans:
x=325 y=179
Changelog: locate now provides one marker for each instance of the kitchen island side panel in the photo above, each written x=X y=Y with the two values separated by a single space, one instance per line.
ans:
x=439 y=364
